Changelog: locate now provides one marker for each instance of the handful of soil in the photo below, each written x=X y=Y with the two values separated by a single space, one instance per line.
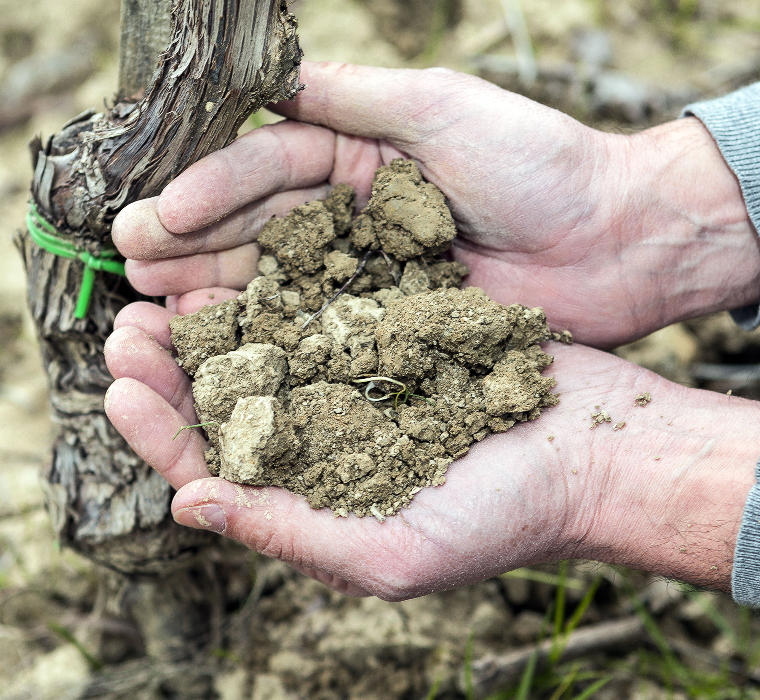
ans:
x=354 y=370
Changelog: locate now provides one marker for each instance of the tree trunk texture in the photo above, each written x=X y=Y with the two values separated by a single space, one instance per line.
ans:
x=225 y=59
x=145 y=32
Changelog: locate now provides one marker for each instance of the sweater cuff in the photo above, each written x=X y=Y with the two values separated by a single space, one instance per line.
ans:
x=734 y=123
x=745 y=577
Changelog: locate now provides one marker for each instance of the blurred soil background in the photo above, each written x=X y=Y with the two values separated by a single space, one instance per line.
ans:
x=572 y=630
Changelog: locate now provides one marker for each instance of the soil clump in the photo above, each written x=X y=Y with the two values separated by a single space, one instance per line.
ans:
x=354 y=370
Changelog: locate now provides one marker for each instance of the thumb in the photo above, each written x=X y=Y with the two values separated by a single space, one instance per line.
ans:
x=343 y=553
x=405 y=106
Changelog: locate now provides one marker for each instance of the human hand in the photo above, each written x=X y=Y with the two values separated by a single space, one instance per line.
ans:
x=643 y=495
x=615 y=236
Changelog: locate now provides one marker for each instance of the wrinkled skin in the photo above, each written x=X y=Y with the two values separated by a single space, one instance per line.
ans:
x=614 y=236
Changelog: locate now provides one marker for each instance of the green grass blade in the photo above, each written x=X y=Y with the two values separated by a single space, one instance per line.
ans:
x=673 y=666
x=593 y=688
x=526 y=682
x=94 y=663
x=559 y=616
x=227 y=655
x=580 y=610
x=575 y=619
x=469 y=688
x=437 y=684
x=566 y=683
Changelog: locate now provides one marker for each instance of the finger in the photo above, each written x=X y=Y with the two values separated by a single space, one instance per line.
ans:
x=150 y=318
x=148 y=423
x=139 y=235
x=264 y=161
x=130 y=352
x=356 y=160
x=407 y=107
x=233 y=268
x=193 y=301
x=283 y=526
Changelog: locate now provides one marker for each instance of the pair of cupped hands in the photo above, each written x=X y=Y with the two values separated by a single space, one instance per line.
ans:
x=614 y=236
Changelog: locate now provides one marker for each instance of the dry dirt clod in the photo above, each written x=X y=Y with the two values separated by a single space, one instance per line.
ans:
x=253 y=369
x=301 y=239
x=353 y=370
x=340 y=203
x=409 y=216
x=209 y=332
x=254 y=440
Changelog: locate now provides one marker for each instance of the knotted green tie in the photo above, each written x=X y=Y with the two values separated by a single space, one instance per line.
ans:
x=46 y=236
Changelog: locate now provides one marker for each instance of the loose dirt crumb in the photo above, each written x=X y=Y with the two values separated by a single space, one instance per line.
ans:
x=599 y=418
x=291 y=406
x=643 y=399
x=565 y=337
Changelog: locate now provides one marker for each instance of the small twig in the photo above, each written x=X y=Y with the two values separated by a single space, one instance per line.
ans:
x=197 y=425
x=359 y=270
x=394 y=273
x=497 y=671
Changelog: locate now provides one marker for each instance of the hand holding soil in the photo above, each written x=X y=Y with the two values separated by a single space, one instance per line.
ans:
x=614 y=236
x=598 y=229
x=346 y=304
x=515 y=499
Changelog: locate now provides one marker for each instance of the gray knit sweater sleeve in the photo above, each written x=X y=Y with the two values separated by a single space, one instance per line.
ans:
x=734 y=122
x=745 y=578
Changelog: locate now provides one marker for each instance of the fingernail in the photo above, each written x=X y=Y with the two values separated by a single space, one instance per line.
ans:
x=107 y=399
x=208 y=517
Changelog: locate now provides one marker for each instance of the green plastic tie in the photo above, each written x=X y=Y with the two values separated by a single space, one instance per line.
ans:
x=45 y=235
